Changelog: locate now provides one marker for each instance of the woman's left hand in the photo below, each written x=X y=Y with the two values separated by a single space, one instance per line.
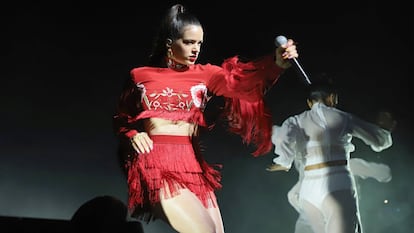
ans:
x=286 y=52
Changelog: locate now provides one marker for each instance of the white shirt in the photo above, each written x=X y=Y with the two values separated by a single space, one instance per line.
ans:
x=324 y=134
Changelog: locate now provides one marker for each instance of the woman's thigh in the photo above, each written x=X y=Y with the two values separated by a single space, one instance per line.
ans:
x=185 y=213
x=341 y=212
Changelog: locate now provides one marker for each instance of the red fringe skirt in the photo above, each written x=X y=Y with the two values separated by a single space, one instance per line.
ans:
x=175 y=162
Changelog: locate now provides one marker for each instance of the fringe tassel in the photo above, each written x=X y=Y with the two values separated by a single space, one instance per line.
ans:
x=252 y=121
x=175 y=166
x=244 y=84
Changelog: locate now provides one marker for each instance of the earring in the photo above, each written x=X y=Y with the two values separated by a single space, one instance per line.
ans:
x=169 y=53
x=170 y=61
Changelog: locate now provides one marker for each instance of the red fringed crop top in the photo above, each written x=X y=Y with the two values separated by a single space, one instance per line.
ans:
x=182 y=95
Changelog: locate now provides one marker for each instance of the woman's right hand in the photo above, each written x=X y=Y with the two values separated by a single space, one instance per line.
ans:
x=142 y=143
x=276 y=167
x=386 y=121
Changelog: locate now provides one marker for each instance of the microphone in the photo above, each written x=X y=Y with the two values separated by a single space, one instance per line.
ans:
x=281 y=40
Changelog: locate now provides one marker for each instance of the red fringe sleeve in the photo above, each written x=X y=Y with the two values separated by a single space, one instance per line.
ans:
x=128 y=107
x=244 y=85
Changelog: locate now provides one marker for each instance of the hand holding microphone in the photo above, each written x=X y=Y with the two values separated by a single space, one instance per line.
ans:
x=284 y=52
x=289 y=52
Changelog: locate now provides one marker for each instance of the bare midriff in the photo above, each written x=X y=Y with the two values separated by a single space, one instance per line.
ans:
x=159 y=126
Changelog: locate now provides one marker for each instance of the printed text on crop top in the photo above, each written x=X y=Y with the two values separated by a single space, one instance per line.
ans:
x=171 y=94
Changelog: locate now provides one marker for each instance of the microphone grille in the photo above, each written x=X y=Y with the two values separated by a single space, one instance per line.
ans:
x=280 y=40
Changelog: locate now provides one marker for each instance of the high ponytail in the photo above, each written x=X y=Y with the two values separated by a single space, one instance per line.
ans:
x=171 y=27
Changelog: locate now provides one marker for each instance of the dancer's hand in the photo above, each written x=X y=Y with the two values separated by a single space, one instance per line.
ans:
x=276 y=167
x=386 y=121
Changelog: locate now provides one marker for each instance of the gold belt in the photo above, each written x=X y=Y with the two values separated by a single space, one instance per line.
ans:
x=326 y=164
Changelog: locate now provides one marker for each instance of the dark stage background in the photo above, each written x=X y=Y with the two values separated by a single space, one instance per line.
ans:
x=63 y=65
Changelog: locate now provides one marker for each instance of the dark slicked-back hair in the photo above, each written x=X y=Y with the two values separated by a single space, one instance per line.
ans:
x=322 y=86
x=171 y=28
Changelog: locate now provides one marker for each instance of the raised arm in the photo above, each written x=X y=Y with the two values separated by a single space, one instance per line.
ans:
x=371 y=134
